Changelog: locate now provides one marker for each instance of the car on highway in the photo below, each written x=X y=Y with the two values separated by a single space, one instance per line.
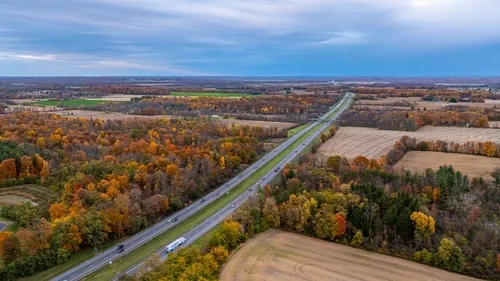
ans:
x=250 y=189
x=232 y=206
x=203 y=200
x=120 y=248
x=277 y=169
x=176 y=219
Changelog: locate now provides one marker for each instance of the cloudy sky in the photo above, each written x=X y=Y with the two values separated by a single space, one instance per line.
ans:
x=250 y=37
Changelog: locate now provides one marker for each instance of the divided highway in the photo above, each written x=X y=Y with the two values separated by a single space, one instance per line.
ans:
x=139 y=239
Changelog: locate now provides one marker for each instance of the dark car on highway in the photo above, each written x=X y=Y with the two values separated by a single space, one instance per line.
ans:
x=120 y=248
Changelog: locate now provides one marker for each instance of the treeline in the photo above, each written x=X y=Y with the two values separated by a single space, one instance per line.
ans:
x=439 y=218
x=112 y=178
x=406 y=144
x=403 y=120
x=292 y=108
x=425 y=93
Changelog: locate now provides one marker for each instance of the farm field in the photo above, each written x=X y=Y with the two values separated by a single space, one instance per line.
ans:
x=276 y=255
x=471 y=165
x=373 y=143
x=105 y=115
x=75 y=102
x=263 y=124
x=116 y=97
x=118 y=116
x=421 y=104
x=209 y=94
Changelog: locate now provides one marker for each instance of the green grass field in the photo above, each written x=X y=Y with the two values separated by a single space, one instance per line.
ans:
x=69 y=103
x=210 y=94
x=120 y=265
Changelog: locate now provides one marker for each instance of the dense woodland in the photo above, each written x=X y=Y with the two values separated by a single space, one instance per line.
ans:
x=439 y=218
x=411 y=120
x=292 y=108
x=112 y=178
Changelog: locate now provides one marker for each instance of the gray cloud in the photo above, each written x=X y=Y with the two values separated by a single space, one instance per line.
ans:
x=141 y=33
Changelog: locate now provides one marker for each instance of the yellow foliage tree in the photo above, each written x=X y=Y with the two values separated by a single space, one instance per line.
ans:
x=222 y=162
x=424 y=225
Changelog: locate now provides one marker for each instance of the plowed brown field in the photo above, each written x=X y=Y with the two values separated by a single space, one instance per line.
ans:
x=373 y=143
x=276 y=256
x=471 y=165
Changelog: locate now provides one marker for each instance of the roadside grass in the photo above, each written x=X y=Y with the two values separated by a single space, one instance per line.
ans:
x=204 y=241
x=210 y=94
x=69 y=103
x=109 y=271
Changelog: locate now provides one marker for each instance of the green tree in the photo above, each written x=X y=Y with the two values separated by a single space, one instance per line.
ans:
x=449 y=256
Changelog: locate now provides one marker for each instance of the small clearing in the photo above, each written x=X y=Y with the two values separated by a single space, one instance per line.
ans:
x=373 y=143
x=14 y=199
x=276 y=255
x=37 y=195
x=471 y=165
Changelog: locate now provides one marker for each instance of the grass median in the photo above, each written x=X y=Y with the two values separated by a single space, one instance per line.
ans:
x=295 y=130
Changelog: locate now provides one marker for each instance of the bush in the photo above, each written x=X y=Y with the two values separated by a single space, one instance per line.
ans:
x=358 y=239
x=424 y=257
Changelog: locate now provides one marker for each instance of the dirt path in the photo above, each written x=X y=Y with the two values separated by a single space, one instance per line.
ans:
x=276 y=255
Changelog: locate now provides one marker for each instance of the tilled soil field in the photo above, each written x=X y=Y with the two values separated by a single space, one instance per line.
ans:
x=373 y=143
x=276 y=256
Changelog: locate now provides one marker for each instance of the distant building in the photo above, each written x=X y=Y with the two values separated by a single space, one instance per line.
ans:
x=465 y=97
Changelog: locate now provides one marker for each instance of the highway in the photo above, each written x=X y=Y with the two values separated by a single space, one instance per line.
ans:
x=139 y=239
x=218 y=217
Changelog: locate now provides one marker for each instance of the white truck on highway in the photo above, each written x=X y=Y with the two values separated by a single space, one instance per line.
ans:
x=172 y=246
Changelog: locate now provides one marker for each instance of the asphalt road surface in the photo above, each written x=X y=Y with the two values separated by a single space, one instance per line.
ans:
x=2 y=225
x=137 y=240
